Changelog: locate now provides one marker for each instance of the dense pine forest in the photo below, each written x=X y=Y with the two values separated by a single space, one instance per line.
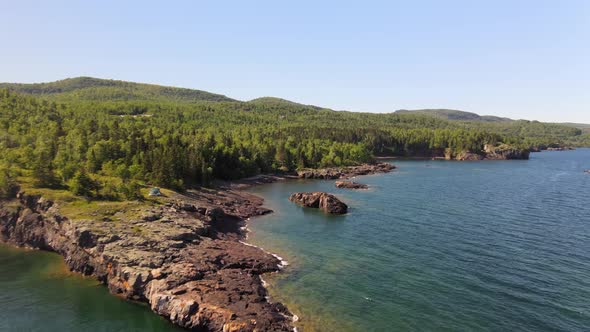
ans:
x=105 y=138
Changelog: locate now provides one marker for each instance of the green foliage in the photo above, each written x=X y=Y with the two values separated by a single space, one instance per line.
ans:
x=131 y=191
x=8 y=184
x=43 y=174
x=83 y=185
x=122 y=134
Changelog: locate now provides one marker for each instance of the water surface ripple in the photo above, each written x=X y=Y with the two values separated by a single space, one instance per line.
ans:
x=440 y=246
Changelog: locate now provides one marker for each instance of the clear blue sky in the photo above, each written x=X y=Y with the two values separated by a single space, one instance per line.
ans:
x=522 y=59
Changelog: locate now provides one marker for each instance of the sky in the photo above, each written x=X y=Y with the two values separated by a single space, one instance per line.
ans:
x=520 y=59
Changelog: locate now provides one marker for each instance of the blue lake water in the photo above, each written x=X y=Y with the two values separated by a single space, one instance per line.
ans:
x=433 y=246
x=439 y=246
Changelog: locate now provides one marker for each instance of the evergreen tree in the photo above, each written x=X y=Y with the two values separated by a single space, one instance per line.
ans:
x=83 y=185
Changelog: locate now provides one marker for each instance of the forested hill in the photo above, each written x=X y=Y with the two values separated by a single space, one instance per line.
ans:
x=455 y=115
x=103 y=138
x=88 y=88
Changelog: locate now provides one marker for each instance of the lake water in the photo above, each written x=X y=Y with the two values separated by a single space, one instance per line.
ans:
x=439 y=246
x=37 y=293
x=433 y=246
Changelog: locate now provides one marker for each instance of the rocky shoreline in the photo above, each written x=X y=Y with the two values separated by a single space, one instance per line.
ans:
x=183 y=257
x=332 y=173
x=185 y=260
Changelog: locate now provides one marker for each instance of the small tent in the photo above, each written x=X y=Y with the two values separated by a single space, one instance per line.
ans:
x=155 y=191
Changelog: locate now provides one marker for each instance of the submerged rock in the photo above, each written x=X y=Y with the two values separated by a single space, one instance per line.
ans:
x=350 y=185
x=320 y=200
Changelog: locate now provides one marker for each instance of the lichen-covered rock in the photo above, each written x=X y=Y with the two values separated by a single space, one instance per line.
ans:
x=350 y=185
x=320 y=200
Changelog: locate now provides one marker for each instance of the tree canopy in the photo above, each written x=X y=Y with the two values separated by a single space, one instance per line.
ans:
x=67 y=132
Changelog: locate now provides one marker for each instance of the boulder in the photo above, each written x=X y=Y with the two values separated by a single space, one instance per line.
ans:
x=350 y=185
x=320 y=200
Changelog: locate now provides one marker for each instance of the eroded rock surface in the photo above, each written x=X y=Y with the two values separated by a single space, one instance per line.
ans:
x=176 y=257
x=320 y=200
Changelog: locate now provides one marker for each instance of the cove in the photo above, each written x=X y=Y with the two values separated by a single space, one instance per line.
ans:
x=38 y=293
x=439 y=246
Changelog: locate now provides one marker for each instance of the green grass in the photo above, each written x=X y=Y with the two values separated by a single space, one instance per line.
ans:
x=79 y=208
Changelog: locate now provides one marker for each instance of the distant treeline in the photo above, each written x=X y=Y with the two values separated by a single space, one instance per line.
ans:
x=76 y=138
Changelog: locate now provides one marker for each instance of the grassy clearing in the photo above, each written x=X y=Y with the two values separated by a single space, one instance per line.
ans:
x=79 y=208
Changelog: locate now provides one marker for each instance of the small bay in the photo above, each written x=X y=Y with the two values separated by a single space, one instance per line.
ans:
x=439 y=246
x=38 y=293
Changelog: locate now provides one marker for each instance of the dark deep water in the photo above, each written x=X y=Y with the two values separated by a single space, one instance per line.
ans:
x=440 y=246
x=433 y=246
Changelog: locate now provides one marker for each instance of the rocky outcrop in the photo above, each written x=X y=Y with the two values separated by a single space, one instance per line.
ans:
x=463 y=156
x=173 y=256
x=332 y=173
x=350 y=185
x=320 y=200
x=560 y=148
x=505 y=152
x=490 y=152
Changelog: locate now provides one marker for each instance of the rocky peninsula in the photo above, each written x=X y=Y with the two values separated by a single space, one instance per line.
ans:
x=183 y=257
x=501 y=152
x=181 y=253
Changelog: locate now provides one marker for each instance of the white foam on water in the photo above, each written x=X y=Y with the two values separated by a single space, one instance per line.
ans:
x=283 y=262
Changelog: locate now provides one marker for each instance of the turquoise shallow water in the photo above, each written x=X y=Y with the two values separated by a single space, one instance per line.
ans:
x=440 y=246
x=38 y=294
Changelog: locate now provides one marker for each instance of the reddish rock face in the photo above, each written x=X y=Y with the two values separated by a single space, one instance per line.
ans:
x=319 y=200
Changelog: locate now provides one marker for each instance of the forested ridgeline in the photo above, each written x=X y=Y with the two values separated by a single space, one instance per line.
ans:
x=105 y=138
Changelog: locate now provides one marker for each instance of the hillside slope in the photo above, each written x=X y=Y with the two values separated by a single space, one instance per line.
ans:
x=88 y=88
x=448 y=114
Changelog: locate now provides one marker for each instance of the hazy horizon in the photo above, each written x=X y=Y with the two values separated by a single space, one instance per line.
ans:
x=524 y=60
